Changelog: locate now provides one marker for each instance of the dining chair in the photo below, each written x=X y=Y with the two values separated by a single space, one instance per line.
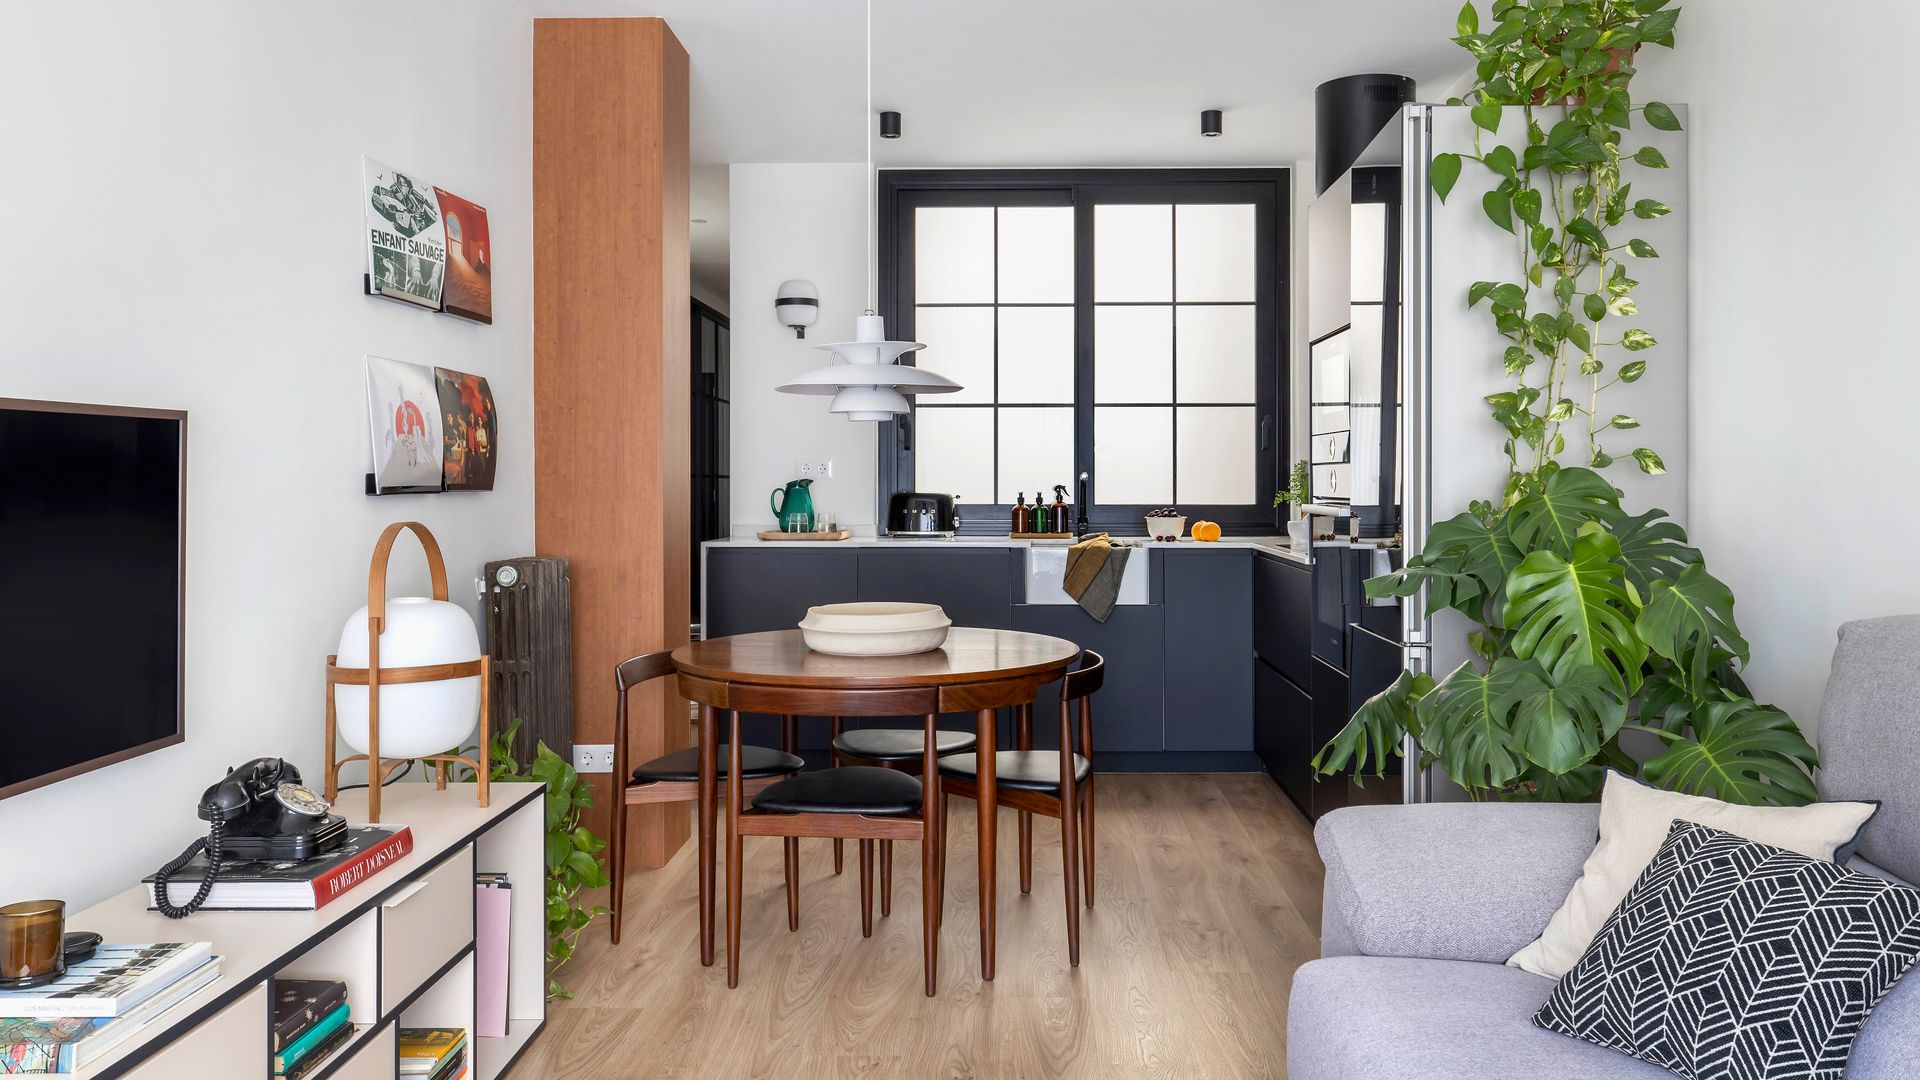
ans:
x=1055 y=784
x=889 y=748
x=675 y=778
x=868 y=803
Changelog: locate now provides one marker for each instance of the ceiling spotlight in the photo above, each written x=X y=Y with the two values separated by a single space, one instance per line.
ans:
x=889 y=125
x=1210 y=123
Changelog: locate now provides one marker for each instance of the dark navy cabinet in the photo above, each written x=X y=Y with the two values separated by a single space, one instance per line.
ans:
x=1209 y=658
x=1284 y=641
x=755 y=589
x=973 y=585
x=1282 y=732
x=1128 y=710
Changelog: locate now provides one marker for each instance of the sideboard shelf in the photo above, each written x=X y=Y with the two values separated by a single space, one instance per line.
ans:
x=403 y=942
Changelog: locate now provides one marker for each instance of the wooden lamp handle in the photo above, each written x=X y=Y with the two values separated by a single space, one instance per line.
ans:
x=377 y=573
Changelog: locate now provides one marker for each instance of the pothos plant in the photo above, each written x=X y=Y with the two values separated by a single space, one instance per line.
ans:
x=573 y=851
x=1590 y=622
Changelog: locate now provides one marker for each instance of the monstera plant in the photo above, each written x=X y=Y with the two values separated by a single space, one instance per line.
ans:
x=1591 y=623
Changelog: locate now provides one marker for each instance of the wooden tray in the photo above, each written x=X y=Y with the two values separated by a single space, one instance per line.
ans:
x=841 y=534
x=1040 y=536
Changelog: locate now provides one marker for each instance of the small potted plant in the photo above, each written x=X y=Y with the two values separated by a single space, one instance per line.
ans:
x=1294 y=495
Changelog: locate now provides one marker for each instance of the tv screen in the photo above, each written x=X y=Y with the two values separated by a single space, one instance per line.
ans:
x=92 y=539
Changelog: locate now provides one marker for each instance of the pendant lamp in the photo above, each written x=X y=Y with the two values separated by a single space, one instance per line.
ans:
x=869 y=382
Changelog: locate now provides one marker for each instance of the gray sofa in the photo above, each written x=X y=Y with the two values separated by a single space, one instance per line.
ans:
x=1424 y=904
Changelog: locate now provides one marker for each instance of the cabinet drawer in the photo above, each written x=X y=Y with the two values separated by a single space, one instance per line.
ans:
x=423 y=925
x=373 y=1061
x=233 y=1042
x=1283 y=616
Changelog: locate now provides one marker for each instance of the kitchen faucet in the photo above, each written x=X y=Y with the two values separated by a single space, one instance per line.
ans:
x=1080 y=527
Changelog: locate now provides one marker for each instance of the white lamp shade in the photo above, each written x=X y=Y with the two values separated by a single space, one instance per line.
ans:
x=416 y=719
x=869 y=403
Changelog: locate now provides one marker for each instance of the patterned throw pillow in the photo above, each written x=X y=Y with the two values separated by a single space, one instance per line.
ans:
x=1733 y=960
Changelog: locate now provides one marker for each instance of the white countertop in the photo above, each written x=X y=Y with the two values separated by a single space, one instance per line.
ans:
x=1278 y=546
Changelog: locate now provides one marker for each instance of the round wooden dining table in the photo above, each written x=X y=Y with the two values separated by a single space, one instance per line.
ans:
x=977 y=670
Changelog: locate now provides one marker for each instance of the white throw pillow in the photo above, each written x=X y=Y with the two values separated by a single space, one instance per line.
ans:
x=1634 y=820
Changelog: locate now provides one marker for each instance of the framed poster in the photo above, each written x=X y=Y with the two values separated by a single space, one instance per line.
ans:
x=403 y=414
x=406 y=244
x=469 y=289
x=470 y=430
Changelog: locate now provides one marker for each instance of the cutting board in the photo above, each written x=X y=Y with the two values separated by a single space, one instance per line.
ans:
x=840 y=534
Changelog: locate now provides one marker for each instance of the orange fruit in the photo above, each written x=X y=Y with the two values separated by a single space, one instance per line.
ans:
x=1206 y=531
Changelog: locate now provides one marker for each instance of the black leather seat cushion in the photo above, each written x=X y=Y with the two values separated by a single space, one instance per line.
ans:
x=756 y=763
x=1024 y=770
x=883 y=744
x=850 y=789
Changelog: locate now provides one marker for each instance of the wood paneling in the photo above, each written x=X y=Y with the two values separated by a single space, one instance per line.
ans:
x=611 y=310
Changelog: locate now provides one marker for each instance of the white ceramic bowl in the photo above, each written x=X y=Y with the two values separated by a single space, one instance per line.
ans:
x=875 y=629
x=1166 y=528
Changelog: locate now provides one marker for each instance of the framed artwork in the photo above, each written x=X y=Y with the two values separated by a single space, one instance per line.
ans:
x=403 y=414
x=406 y=242
x=469 y=288
x=470 y=431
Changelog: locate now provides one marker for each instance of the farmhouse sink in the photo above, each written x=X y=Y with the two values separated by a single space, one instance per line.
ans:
x=1047 y=571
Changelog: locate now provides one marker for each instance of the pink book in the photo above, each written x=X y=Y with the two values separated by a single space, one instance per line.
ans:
x=492 y=911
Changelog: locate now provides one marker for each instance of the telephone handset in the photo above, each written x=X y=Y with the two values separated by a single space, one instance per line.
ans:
x=261 y=811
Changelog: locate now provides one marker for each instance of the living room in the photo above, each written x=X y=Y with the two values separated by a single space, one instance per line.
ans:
x=1405 y=394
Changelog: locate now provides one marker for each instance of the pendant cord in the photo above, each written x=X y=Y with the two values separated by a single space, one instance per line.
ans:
x=866 y=133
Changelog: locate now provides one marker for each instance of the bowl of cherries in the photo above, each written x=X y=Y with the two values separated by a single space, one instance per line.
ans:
x=1166 y=524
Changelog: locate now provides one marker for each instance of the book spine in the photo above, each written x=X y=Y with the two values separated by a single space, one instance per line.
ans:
x=289 y=1030
x=328 y=888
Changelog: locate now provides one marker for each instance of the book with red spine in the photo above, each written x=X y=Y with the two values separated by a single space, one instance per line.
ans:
x=288 y=885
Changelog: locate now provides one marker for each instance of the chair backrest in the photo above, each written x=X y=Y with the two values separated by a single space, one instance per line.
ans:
x=1870 y=736
x=1087 y=679
x=636 y=670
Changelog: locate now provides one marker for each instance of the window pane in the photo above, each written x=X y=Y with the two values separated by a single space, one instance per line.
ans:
x=952 y=454
x=1036 y=254
x=1132 y=252
x=1036 y=451
x=1365 y=463
x=1036 y=355
x=1216 y=456
x=1365 y=357
x=1133 y=456
x=1213 y=258
x=960 y=346
x=1133 y=354
x=953 y=255
x=1215 y=346
x=1367 y=270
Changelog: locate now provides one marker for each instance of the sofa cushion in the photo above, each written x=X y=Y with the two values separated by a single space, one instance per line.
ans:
x=1385 y=1018
x=1734 y=960
x=1870 y=735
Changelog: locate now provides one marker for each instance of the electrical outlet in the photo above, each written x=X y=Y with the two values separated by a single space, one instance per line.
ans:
x=813 y=470
x=593 y=757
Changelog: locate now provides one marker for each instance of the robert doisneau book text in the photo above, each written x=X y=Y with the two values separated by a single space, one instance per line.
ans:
x=306 y=885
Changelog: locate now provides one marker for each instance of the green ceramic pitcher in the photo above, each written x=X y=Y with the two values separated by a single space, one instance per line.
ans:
x=793 y=506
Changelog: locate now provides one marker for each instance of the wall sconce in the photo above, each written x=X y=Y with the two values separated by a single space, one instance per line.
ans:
x=797 y=303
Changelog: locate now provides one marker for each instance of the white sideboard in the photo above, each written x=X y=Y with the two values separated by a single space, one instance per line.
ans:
x=403 y=943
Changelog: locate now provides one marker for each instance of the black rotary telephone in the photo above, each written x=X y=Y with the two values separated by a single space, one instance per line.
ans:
x=260 y=812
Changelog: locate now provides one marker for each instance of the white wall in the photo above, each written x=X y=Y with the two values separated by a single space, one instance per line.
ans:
x=1804 y=367
x=185 y=176
x=795 y=221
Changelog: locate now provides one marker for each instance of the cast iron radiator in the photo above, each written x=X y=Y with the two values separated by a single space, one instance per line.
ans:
x=531 y=642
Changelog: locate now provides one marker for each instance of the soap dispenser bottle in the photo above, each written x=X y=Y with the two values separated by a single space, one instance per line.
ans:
x=1040 y=521
x=1022 y=516
x=1060 y=514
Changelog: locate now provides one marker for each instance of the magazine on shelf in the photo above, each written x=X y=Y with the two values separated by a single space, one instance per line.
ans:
x=424 y=1050
x=69 y=1043
x=280 y=885
x=112 y=981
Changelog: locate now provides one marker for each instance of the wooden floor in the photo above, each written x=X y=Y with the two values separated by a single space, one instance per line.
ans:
x=1209 y=897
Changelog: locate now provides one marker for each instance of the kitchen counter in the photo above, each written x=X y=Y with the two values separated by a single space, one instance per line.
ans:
x=1277 y=546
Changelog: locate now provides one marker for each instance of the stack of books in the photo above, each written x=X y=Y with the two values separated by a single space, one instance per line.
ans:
x=289 y=886
x=100 y=1003
x=310 y=1021
x=435 y=1053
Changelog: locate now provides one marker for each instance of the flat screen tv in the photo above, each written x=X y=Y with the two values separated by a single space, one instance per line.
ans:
x=92 y=587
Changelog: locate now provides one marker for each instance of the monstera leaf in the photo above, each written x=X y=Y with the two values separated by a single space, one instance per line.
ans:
x=1552 y=517
x=1375 y=731
x=1468 y=721
x=1685 y=619
x=1465 y=567
x=1653 y=547
x=1570 y=615
x=1740 y=752
x=1561 y=723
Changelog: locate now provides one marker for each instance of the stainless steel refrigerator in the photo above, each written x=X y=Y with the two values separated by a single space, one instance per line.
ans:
x=1400 y=433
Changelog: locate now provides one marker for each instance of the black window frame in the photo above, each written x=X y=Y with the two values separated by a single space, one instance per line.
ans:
x=902 y=191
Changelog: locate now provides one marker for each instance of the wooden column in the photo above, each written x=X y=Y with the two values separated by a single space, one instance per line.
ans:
x=610 y=370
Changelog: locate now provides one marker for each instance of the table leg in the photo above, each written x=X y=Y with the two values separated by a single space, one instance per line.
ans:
x=987 y=805
x=707 y=790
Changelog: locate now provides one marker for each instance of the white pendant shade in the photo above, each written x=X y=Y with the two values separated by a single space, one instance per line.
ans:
x=871 y=384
